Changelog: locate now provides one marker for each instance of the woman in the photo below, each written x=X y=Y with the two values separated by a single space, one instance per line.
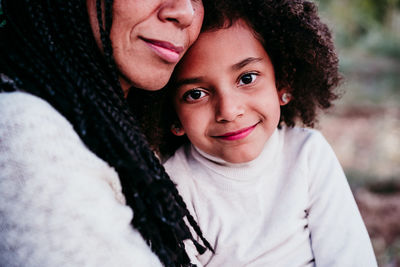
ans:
x=72 y=157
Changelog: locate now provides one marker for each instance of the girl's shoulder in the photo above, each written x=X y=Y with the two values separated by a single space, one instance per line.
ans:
x=306 y=147
x=301 y=137
x=178 y=163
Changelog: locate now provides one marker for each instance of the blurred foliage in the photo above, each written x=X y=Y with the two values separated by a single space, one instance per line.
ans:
x=372 y=10
x=369 y=23
x=364 y=129
x=367 y=37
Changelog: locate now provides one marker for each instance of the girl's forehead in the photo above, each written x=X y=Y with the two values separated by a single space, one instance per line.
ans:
x=221 y=48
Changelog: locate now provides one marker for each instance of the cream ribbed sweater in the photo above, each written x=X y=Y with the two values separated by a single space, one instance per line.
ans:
x=291 y=206
x=60 y=205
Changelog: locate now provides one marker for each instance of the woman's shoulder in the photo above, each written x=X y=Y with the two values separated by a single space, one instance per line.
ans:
x=22 y=110
x=31 y=127
x=17 y=99
x=37 y=142
x=56 y=195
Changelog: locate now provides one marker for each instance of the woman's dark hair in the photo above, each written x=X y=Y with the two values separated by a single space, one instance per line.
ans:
x=47 y=49
x=302 y=52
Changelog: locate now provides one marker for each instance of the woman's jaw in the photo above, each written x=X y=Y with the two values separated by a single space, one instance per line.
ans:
x=149 y=38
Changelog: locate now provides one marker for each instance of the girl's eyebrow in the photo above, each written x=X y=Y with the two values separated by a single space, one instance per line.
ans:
x=234 y=67
x=245 y=62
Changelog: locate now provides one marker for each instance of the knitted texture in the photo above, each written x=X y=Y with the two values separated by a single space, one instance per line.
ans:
x=60 y=205
x=291 y=206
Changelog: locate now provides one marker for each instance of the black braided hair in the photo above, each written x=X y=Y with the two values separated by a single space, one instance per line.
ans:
x=47 y=49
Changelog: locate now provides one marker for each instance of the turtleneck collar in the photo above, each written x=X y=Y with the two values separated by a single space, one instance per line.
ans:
x=246 y=171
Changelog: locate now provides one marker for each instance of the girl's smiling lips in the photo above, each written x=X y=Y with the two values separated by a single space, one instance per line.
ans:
x=165 y=50
x=237 y=135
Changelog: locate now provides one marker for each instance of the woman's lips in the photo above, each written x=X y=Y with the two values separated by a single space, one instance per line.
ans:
x=237 y=135
x=165 y=50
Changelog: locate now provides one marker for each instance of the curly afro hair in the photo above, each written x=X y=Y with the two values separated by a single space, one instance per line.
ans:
x=301 y=49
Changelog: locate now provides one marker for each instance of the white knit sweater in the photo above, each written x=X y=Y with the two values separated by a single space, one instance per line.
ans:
x=60 y=205
x=291 y=206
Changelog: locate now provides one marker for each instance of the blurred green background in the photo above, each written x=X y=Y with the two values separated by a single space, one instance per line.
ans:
x=364 y=126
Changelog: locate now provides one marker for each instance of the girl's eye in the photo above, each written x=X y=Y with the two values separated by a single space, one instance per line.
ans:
x=193 y=95
x=247 y=78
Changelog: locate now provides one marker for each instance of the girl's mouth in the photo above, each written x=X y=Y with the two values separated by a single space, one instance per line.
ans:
x=237 y=135
x=165 y=50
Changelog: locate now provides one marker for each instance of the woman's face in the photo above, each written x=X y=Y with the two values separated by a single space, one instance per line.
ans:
x=149 y=37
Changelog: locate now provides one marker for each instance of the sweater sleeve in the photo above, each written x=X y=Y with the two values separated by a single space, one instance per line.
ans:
x=60 y=205
x=338 y=234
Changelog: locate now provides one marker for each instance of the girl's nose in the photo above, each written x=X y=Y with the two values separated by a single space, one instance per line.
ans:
x=228 y=107
x=180 y=12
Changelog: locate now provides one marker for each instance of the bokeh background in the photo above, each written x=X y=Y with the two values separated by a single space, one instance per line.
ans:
x=364 y=126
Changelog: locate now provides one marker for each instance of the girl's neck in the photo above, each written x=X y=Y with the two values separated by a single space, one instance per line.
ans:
x=240 y=171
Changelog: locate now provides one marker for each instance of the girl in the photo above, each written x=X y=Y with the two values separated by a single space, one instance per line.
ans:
x=266 y=193
x=79 y=185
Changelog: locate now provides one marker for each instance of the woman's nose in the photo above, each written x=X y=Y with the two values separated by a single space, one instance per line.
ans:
x=180 y=12
x=228 y=107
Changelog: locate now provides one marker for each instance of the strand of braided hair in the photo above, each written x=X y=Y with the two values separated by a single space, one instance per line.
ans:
x=47 y=49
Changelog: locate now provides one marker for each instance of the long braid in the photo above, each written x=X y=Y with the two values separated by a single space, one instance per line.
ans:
x=54 y=58
x=105 y=28
x=108 y=50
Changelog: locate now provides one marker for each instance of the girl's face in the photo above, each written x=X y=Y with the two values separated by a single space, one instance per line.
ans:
x=226 y=98
x=149 y=37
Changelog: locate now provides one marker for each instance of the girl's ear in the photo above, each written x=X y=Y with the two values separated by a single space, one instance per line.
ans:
x=177 y=129
x=284 y=97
